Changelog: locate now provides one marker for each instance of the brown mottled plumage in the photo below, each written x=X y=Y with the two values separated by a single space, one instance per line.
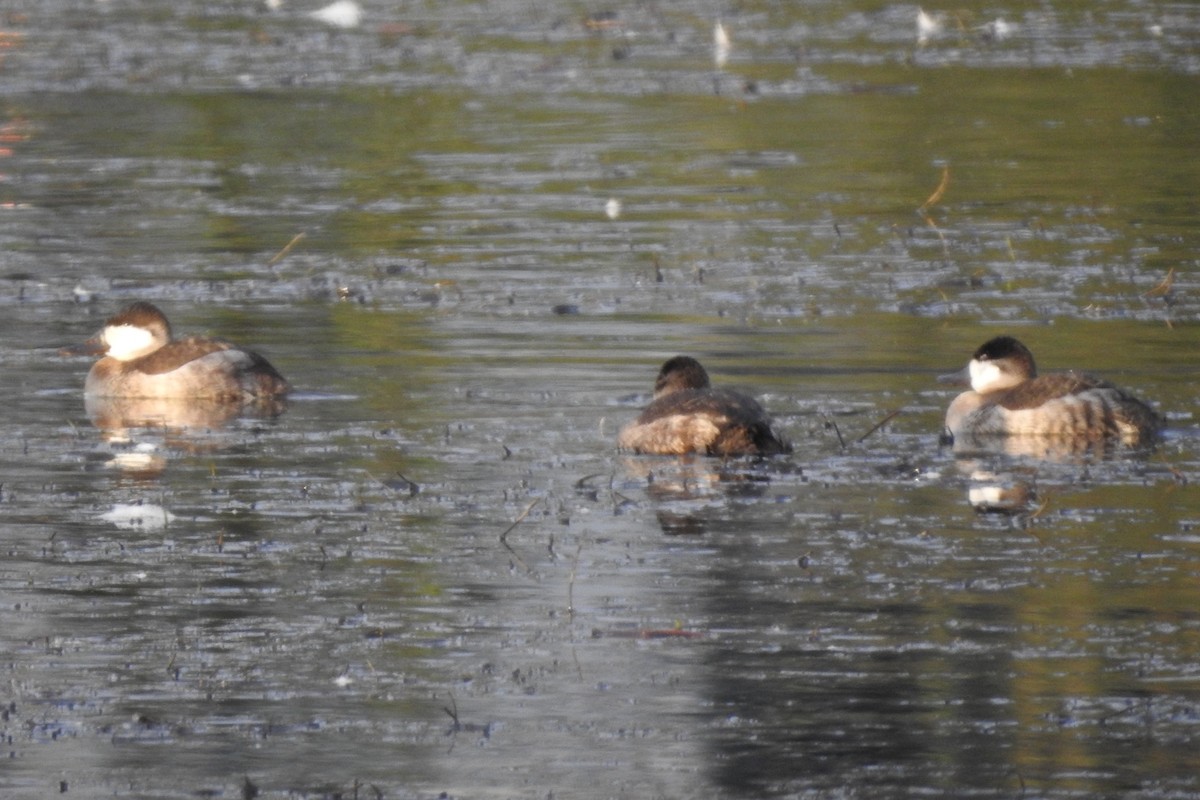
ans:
x=1009 y=398
x=142 y=360
x=688 y=416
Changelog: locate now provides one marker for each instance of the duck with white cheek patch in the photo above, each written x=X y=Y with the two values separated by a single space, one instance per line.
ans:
x=1009 y=398
x=141 y=359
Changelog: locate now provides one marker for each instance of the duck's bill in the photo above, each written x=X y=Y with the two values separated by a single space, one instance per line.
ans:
x=960 y=378
x=92 y=347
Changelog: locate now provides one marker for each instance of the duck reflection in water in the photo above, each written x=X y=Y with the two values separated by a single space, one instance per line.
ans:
x=1013 y=493
x=147 y=377
x=177 y=413
x=1012 y=410
x=687 y=416
x=688 y=491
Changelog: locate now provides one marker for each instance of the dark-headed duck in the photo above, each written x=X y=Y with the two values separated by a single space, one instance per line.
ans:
x=687 y=415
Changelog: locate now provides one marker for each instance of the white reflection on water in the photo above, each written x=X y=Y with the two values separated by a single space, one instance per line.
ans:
x=138 y=516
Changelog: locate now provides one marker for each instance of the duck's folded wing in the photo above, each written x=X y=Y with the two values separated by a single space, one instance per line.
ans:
x=1045 y=388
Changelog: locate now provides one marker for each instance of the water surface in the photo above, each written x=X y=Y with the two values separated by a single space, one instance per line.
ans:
x=434 y=574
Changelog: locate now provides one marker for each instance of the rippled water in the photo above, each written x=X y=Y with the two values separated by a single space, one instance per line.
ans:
x=433 y=574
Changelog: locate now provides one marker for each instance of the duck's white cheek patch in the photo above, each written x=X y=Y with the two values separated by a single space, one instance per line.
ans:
x=126 y=342
x=984 y=375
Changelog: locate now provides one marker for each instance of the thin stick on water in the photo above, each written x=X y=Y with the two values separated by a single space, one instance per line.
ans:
x=939 y=191
x=509 y=529
x=931 y=201
x=287 y=248
x=1164 y=286
x=571 y=581
x=880 y=424
x=520 y=518
x=831 y=422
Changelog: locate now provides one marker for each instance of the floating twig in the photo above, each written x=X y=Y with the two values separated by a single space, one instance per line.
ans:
x=399 y=484
x=582 y=482
x=941 y=236
x=452 y=712
x=939 y=191
x=1164 y=286
x=880 y=424
x=617 y=498
x=287 y=248
x=582 y=486
x=1039 y=509
x=932 y=200
x=457 y=725
x=520 y=518
x=1180 y=478
x=571 y=581
x=509 y=529
x=831 y=423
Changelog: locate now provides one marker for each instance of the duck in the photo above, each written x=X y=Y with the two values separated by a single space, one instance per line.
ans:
x=1008 y=398
x=142 y=359
x=687 y=415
